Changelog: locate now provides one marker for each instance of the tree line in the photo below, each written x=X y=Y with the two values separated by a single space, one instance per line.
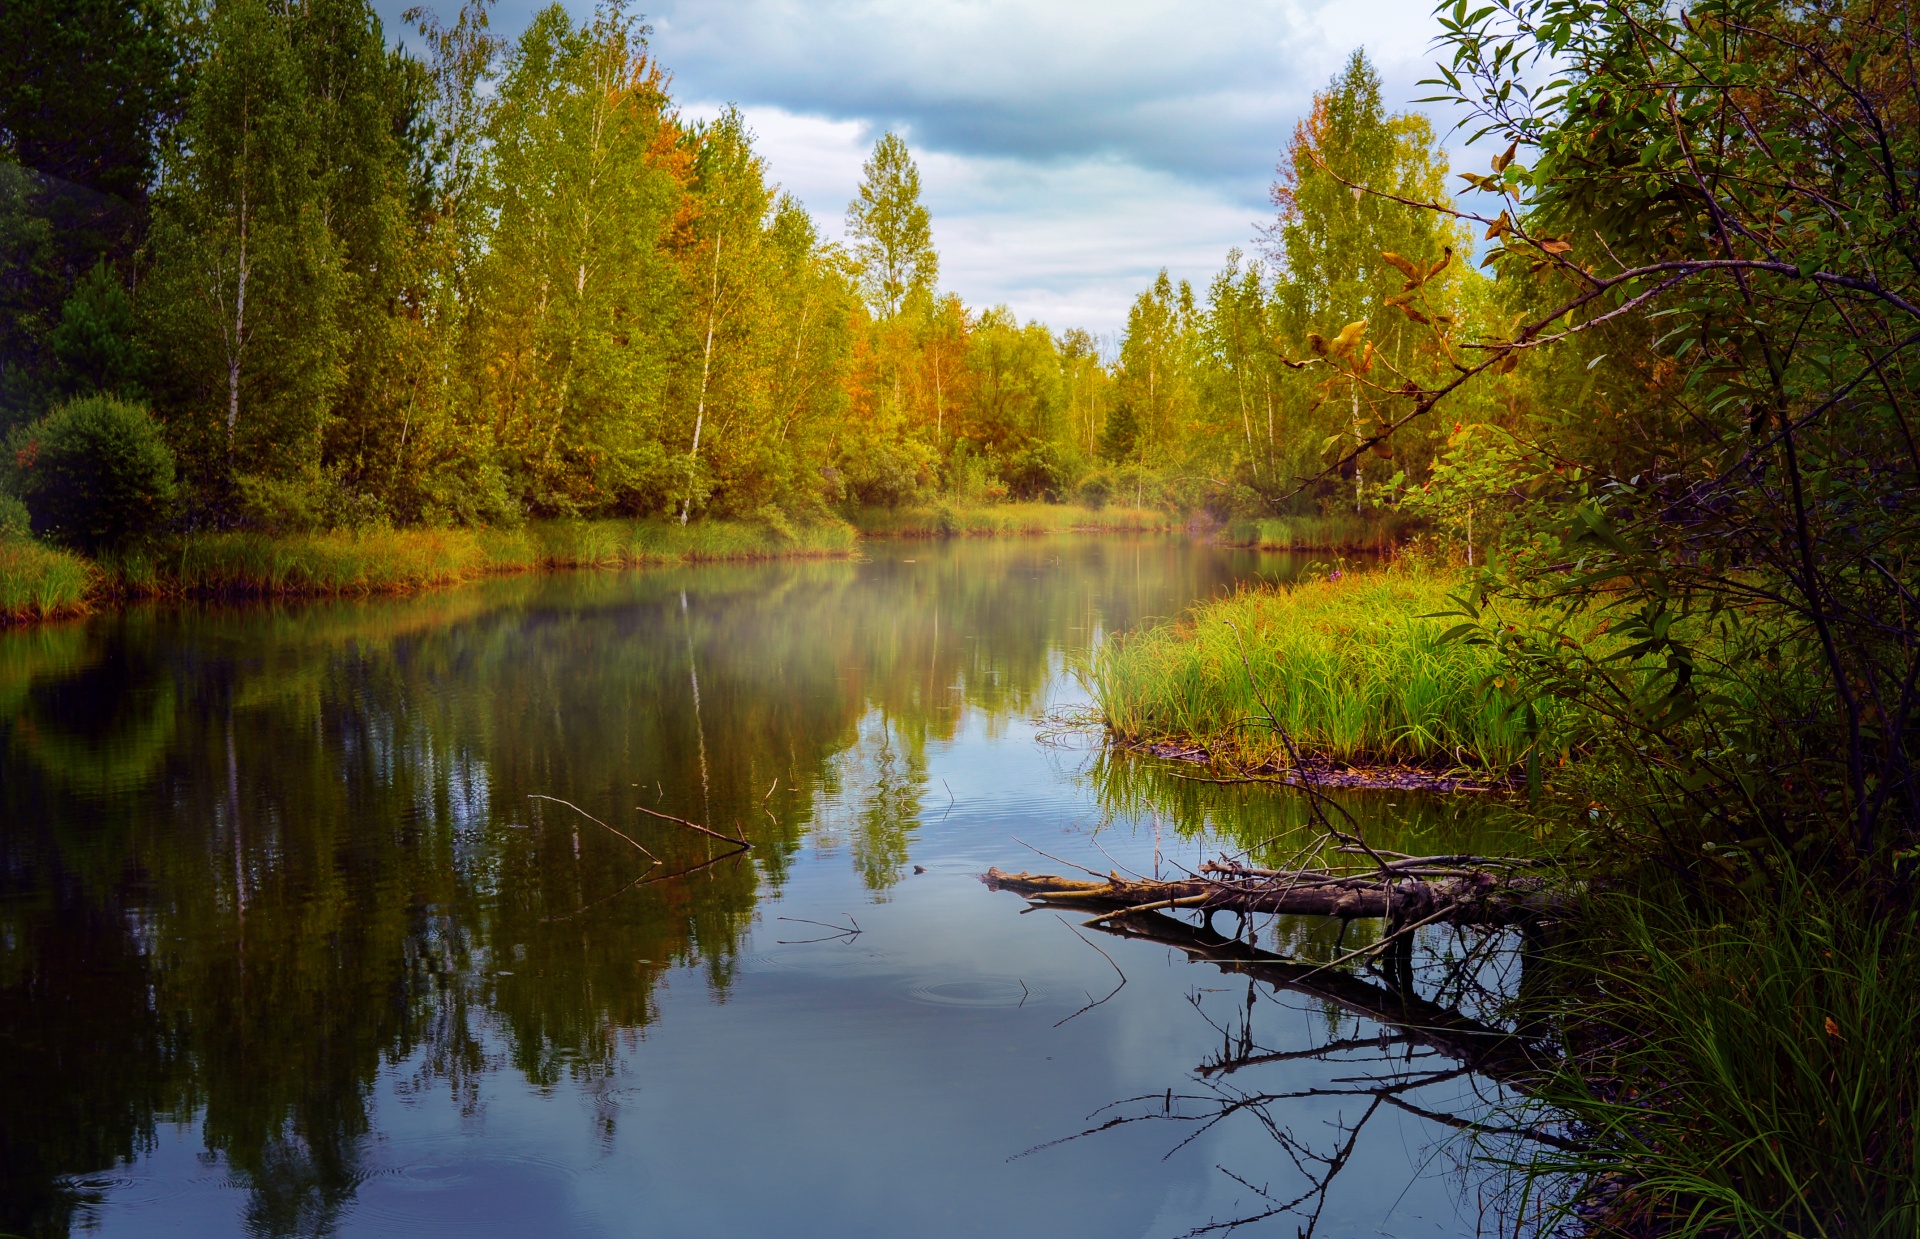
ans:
x=456 y=279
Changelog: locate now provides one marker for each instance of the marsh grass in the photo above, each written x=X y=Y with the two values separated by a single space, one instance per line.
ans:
x=1349 y=667
x=1759 y=1077
x=1335 y=531
x=401 y=561
x=41 y=582
x=951 y=520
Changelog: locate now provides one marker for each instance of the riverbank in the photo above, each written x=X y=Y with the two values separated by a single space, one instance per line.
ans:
x=1348 y=671
x=38 y=582
x=1727 y=1033
x=42 y=582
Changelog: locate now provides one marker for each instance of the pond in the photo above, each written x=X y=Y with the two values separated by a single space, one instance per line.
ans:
x=358 y=919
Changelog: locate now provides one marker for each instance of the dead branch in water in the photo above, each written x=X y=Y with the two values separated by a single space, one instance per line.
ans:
x=1462 y=890
x=597 y=822
x=740 y=843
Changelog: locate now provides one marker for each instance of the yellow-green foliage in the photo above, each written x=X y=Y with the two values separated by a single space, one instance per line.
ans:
x=40 y=582
x=1348 y=667
x=951 y=520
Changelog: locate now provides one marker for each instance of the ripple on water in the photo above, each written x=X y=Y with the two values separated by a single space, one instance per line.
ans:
x=443 y=1192
x=975 y=992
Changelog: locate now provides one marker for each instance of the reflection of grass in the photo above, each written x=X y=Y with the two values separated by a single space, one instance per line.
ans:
x=951 y=520
x=39 y=582
x=1336 y=531
x=1349 y=667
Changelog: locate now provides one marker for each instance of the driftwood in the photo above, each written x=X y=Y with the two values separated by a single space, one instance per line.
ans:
x=1460 y=890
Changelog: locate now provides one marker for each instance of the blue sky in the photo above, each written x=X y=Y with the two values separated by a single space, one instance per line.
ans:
x=1068 y=149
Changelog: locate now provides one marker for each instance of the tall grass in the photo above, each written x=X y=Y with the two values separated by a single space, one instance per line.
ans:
x=951 y=520
x=1348 y=667
x=1335 y=531
x=40 y=582
x=399 y=561
x=1754 y=1078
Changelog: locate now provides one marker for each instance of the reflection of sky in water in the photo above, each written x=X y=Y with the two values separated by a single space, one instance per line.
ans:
x=793 y=1081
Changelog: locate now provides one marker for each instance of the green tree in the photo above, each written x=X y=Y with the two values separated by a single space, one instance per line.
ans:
x=1155 y=393
x=243 y=301
x=891 y=229
x=85 y=86
x=575 y=306
x=1337 y=247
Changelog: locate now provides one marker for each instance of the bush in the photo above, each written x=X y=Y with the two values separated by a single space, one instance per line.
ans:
x=14 y=521
x=94 y=473
x=1040 y=472
x=1096 y=489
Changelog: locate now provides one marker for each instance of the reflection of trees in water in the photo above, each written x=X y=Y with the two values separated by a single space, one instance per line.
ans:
x=249 y=857
x=870 y=801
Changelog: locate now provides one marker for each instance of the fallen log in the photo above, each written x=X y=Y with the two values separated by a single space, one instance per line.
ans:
x=1413 y=890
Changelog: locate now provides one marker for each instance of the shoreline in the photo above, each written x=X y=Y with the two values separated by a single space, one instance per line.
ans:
x=40 y=583
x=1320 y=772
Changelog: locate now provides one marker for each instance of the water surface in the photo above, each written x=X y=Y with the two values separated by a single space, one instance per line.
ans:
x=291 y=945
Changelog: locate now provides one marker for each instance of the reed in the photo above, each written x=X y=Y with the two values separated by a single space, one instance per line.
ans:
x=1348 y=667
x=951 y=520
x=1741 y=1074
x=39 y=582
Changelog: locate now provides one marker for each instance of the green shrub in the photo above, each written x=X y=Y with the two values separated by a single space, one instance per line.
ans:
x=14 y=520
x=94 y=473
x=1040 y=472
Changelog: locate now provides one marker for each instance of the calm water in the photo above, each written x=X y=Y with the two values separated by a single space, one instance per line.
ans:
x=288 y=945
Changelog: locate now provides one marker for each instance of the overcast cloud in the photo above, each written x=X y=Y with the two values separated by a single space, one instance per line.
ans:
x=1068 y=149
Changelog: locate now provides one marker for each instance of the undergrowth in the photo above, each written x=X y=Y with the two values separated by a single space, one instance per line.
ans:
x=38 y=581
x=1751 y=1070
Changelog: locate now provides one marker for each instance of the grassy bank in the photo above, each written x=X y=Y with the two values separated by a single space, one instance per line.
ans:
x=951 y=520
x=1336 y=531
x=1348 y=667
x=38 y=582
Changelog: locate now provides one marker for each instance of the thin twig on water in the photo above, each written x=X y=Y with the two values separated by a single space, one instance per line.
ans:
x=597 y=822
x=742 y=843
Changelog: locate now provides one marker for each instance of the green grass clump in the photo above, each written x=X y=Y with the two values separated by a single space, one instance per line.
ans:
x=1348 y=666
x=1759 y=1077
x=1335 y=531
x=41 y=582
x=953 y=520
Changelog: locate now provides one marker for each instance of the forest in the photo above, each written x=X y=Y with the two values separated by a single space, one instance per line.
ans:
x=365 y=279
x=1632 y=400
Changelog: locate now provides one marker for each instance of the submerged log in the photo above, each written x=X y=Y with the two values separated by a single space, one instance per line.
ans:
x=1413 y=889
